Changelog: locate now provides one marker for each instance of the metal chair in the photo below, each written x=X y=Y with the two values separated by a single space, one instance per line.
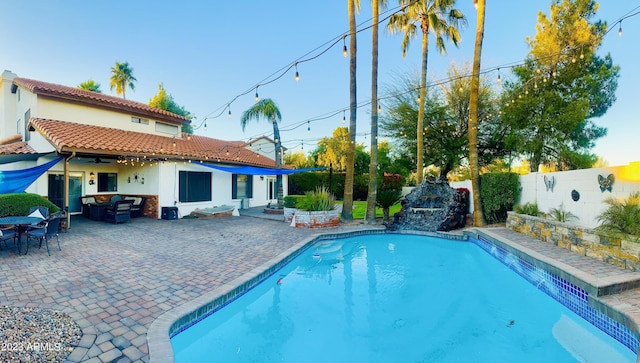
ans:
x=7 y=234
x=48 y=230
x=43 y=210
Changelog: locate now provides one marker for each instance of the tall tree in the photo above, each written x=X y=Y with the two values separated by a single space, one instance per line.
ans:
x=440 y=18
x=164 y=101
x=446 y=121
x=562 y=86
x=347 y=200
x=121 y=78
x=478 y=218
x=90 y=85
x=370 y=214
x=267 y=108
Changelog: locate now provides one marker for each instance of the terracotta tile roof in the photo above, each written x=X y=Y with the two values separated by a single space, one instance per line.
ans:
x=19 y=147
x=96 y=99
x=67 y=137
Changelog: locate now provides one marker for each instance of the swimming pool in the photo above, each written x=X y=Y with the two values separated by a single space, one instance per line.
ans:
x=396 y=298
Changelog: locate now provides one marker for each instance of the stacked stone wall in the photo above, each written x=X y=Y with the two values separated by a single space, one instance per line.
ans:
x=621 y=251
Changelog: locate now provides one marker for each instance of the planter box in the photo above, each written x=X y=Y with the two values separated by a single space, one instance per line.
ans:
x=288 y=214
x=318 y=219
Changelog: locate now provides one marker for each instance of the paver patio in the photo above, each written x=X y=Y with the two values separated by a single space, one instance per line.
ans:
x=115 y=280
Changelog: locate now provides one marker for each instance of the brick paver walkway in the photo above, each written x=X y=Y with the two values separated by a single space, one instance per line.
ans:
x=115 y=280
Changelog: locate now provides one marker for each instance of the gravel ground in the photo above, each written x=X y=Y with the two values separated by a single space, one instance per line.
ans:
x=36 y=335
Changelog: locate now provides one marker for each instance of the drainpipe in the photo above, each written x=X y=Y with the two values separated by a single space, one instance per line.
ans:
x=66 y=189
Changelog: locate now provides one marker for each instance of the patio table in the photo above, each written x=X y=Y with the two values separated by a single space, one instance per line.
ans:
x=97 y=210
x=21 y=222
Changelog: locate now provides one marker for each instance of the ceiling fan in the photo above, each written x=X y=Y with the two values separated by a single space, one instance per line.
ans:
x=99 y=161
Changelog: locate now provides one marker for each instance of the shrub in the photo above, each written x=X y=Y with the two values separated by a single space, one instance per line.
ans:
x=317 y=200
x=498 y=193
x=18 y=204
x=621 y=216
x=290 y=201
x=561 y=215
x=528 y=209
x=389 y=192
x=302 y=183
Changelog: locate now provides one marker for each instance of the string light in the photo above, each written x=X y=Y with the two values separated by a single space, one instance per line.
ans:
x=344 y=46
x=499 y=80
x=620 y=29
x=229 y=111
x=344 y=117
x=257 y=98
x=308 y=127
x=295 y=64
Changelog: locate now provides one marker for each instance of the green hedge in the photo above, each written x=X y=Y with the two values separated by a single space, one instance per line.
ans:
x=302 y=183
x=499 y=192
x=18 y=204
x=291 y=201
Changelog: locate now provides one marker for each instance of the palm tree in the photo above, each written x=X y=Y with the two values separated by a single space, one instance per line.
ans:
x=347 y=200
x=478 y=219
x=121 y=77
x=90 y=85
x=268 y=109
x=443 y=20
x=370 y=215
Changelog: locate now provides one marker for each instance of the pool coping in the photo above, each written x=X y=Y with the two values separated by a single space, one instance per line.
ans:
x=180 y=318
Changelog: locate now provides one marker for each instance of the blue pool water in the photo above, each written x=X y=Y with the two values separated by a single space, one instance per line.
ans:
x=396 y=298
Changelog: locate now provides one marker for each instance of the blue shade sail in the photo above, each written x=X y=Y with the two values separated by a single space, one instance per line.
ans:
x=252 y=170
x=17 y=181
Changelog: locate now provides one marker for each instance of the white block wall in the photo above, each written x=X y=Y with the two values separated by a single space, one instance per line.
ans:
x=585 y=182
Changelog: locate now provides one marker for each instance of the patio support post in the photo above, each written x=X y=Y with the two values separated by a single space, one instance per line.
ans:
x=66 y=191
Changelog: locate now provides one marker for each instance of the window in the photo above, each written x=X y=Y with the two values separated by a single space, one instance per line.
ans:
x=107 y=182
x=241 y=186
x=167 y=129
x=195 y=186
x=139 y=120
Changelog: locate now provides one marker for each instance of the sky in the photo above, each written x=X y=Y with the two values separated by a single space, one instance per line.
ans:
x=208 y=53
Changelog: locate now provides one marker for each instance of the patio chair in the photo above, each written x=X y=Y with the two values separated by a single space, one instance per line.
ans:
x=48 y=230
x=120 y=211
x=7 y=234
x=85 y=201
x=137 y=208
x=43 y=210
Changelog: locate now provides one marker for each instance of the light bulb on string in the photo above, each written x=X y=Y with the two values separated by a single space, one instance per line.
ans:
x=257 y=98
x=308 y=128
x=499 y=79
x=379 y=108
x=229 y=115
x=344 y=46
x=344 y=117
x=620 y=30
x=297 y=77
x=205 y=126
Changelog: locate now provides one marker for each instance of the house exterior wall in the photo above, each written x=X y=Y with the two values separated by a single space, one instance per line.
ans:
x=69 y=112
x=161 y=180
x=8 y=109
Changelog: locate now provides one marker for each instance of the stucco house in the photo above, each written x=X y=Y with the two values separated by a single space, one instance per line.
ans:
x=111 y=145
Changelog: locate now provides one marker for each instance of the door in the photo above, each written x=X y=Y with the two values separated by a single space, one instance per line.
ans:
x=271 y=188
x=56 y=191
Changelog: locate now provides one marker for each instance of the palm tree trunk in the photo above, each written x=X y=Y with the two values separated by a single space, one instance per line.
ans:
x=347 y=203
x=478 y=219
x=370 y=215
x=423 y=98
x=279 y=188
